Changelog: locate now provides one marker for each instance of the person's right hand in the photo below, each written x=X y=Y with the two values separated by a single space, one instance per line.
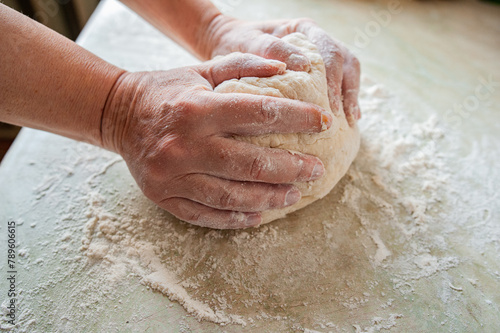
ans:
x=176 y=136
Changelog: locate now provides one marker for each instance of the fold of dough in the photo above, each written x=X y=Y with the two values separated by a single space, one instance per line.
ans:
x=337 y=147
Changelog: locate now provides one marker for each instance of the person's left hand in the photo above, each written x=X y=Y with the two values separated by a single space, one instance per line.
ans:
x=263 y=39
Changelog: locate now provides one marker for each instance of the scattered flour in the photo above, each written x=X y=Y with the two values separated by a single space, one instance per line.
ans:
x=367 y=245
x=379 y=323
x=211 y=287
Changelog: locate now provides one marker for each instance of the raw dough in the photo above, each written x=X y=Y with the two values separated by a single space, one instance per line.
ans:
x=336 y=147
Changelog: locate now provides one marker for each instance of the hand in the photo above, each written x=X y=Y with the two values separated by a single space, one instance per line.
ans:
x=176 y=136
x=263 y=39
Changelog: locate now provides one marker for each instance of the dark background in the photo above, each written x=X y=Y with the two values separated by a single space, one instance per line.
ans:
x=68 y=17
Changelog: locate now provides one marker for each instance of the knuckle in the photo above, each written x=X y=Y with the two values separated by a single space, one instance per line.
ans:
x=169 y=150
x=259 y=165
x=227 y=198
x=274 y=47
x=334 y=58
x=182 y=106
x=297 y=165
x=185 y=113
x=268 y=111
x=153 y=170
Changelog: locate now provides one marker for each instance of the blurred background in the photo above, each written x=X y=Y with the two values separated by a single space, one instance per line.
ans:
x=68 y=17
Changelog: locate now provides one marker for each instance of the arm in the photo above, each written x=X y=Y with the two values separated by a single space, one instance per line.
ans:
x=198 y=26
x=190 y=23
x=171 y=128
x=50 y=83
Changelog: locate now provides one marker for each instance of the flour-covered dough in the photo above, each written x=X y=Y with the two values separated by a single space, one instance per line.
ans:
x=336 y=147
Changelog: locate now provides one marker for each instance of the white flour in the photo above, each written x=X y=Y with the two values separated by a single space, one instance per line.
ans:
x=368 y=244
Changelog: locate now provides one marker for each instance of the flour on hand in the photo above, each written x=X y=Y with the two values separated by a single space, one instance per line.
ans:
x=336 y=147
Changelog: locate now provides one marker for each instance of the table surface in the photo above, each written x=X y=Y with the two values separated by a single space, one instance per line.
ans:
x=408 y=241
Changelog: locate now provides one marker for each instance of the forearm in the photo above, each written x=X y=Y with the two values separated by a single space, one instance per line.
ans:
x=50 y=83
x=191 y=23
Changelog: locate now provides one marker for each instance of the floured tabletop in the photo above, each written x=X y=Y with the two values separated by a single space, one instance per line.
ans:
x=408 y=241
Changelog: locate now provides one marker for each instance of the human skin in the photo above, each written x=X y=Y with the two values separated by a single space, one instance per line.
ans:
x=177 y=141
x=50 y=83
x=201 y=28
x=170 y=127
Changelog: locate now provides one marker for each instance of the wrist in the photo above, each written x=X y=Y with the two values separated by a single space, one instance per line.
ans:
x=213 y=35
x=121 y=99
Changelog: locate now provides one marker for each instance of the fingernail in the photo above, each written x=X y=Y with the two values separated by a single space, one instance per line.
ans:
x=318 y=171
x=281 y=65
x=293 y=196
x=253 y=220
x=274 y=62
x=326 y=120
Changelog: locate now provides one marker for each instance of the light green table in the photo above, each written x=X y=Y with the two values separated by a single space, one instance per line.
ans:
x=409 y=241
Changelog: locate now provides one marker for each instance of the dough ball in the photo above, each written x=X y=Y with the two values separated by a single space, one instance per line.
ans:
x=337 y=147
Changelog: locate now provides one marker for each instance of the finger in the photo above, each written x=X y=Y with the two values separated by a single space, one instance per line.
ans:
x=203 y=216
x=242 y=161
x=238 y=65
x=246 y=114
x=333 y=59
x=350 y=88
x=237 y=196
x=272 y=47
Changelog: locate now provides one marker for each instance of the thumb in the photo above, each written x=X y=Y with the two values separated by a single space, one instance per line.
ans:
x=238 y=65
